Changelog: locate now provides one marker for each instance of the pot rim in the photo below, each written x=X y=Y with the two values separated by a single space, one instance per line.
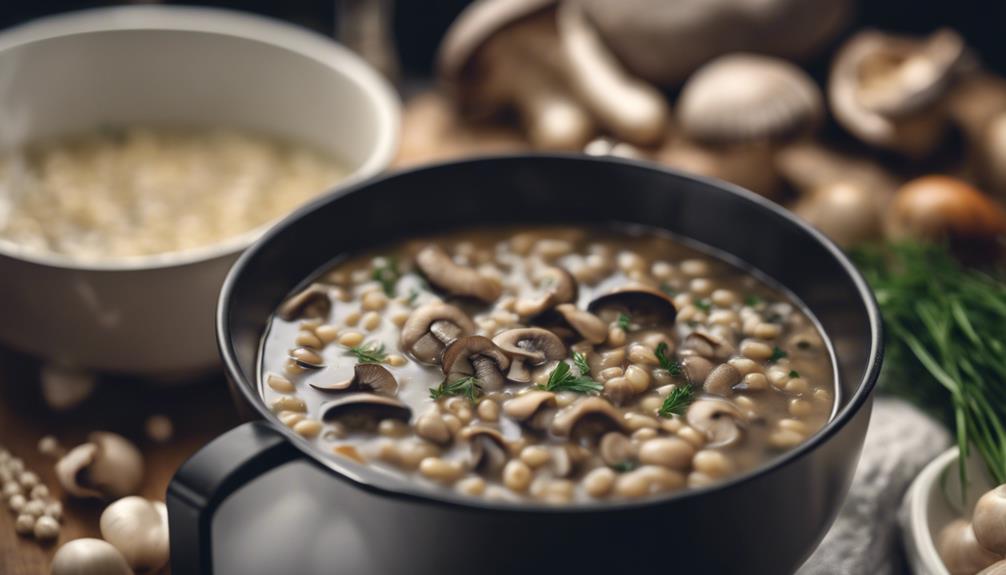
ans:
x=368 y=479
x=221 y=22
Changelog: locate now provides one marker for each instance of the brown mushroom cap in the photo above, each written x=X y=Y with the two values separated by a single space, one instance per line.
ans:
x=528 y=346
x=722 y=379
x=591 y=416
x=719 y=420
x=571 y=323
x=442 y=272
x=531 y=408
x=646 y=306
x=476 y=24
x=559 y=287
x=747 y=97
x=941 y=207
x=477 y=356
x=357 y=410
x=664 y=41
x=431 y=327
x=707 y=345
x=311 y=302
x=487 y=449
x=696 y=368
x=881 y=87
x=366 y=377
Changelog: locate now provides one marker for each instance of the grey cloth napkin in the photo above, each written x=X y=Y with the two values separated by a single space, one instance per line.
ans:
x=900 y=441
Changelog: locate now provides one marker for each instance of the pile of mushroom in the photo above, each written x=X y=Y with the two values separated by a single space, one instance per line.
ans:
x=579 y=74
x=977 y=546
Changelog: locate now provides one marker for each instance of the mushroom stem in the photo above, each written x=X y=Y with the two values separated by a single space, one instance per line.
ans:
x=630 y=108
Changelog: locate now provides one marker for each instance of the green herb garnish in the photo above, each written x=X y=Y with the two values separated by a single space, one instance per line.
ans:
x=623 y=321
x=368 y=353
x=580 y=361
x=677 y=400
x=386 y=273
x=667 y=289
x=946 y=346
x=466 y=386
x=703 y=304
x=623 y=466
x=752 y=300
x=562 y=379
x=777 y=354
x=794 y=373
x=671 y=365
x=413 y=295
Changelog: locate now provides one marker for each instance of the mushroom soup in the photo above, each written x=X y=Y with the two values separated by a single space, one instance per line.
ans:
x=552 y=363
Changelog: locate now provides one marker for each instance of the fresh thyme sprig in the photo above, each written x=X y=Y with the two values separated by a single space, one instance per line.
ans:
x=624 y=321
x=677 y=400
x=386 y=273
x=794 y=373
x=671 y=365
x=368 y=353
x=562 y=379
x=703 y=304
x=580 y=361
x=752 y=300
x=777 y=354
x=466 y=386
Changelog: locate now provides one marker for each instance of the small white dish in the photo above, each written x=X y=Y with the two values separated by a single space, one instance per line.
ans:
x=167 y=65
x=934 y=500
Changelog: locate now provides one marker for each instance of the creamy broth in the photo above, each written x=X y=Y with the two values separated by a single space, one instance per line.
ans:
x=681 y=369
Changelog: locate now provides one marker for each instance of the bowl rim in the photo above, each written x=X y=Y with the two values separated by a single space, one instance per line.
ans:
x=365 y=478
x=221 y=22
x=916 y=529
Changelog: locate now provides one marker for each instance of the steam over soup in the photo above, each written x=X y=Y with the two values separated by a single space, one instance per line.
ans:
x=553 y=364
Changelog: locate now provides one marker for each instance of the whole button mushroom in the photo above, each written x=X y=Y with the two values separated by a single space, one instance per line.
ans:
x=138 y=528
x=960 y=551
x=889 y=91
x=989 y=520
x=528 y=346
x=107 y=466
x=748 y=97
x=89 y=556
x=941 y=208
x=431 y=327
x=476 y=356
x=664 y=42
x=442 y=272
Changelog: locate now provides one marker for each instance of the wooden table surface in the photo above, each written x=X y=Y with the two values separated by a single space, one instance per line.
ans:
x=199 y=410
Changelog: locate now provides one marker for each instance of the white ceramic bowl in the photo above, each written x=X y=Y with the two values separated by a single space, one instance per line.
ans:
x=150 y=65
x=934 y=500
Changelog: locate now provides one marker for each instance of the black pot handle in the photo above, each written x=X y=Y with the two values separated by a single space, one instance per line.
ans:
x=207 y=478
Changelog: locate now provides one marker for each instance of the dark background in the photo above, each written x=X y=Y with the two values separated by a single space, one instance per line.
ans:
x=419 y=24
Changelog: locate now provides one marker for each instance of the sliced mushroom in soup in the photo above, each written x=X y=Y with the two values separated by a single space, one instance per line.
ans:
x=623 y=355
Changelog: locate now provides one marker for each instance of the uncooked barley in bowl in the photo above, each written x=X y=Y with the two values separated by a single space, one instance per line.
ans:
x=144 y=191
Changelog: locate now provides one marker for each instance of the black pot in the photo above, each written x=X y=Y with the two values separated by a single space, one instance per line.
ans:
x=259 y=499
